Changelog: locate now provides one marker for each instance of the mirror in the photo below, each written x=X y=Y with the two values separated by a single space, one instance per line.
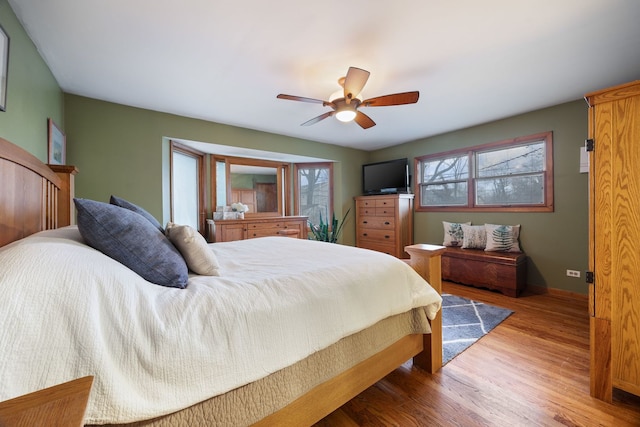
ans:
x=255 y=186
x=255 y=183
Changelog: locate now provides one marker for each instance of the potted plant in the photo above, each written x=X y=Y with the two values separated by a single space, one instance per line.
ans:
x=325 y=232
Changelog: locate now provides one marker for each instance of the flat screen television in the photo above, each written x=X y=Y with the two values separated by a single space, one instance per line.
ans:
x=388 y=177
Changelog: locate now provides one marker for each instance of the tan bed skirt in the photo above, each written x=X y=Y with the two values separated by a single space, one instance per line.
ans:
x=252 y=402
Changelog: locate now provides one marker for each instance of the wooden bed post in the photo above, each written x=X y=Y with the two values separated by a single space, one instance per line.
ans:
x=66 y=208
x=426 y=260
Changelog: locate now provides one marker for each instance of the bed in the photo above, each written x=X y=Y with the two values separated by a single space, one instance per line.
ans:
x=222 y=351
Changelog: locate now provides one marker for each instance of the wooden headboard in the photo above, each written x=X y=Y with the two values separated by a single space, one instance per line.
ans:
x=32 y=196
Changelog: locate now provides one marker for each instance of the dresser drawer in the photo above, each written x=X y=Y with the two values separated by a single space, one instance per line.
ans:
x=386 y=203
x=280 y=228
x=376 y=203
x=382 y=222
x=377 y=235
x=265 y=226
x=263 y=232
x=381 y=211
x=380 y=247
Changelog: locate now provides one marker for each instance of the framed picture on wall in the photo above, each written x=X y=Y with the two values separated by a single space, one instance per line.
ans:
x=57 y=144
x=4 y=68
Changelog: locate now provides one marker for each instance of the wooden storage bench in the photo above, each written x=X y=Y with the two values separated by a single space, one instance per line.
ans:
x=502 y=271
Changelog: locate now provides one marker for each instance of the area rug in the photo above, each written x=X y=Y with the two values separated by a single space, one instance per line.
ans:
x=464 y=322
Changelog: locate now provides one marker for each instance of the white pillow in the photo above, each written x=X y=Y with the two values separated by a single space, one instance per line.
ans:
x=194 y=249
x=475 y=237
x=453 y=233
x=502 y=238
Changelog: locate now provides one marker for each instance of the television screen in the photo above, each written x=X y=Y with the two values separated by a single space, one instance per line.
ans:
x=391 y=176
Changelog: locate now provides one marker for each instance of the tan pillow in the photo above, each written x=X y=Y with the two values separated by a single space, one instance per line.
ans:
x=194 y=249
x=475 y=237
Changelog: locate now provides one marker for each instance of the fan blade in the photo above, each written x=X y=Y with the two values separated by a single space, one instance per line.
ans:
x=363 y=120
x=317 y=119
x=395 y=99
x=301 y=98
x=354 y=82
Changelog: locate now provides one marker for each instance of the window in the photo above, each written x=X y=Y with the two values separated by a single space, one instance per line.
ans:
x=314 y=191
x=514 y=175
x=186 y=186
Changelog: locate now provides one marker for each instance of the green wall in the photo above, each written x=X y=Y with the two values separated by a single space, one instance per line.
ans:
x=123 y=150
x=247 y=181
x=33 y=95
x=554 y=241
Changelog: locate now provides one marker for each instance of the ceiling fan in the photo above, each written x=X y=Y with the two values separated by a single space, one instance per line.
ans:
x=346 y=102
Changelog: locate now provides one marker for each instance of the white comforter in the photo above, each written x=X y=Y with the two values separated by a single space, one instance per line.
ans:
x=67 y=310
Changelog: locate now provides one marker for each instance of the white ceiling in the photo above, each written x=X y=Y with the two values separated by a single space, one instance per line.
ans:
x=225 y=61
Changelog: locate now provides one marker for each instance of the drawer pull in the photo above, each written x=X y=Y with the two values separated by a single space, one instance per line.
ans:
x=365 y=222
x=386 y=237
x=364 y=234
x=387 y=223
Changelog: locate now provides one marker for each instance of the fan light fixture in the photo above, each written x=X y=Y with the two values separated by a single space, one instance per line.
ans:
x=346 y=113
x=345 y=102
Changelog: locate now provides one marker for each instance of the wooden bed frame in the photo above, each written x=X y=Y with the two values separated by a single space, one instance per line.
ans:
x=34 y=197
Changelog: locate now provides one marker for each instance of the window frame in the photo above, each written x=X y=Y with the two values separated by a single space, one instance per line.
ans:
x=296 y=185
x=199 y=156
x=547 y=206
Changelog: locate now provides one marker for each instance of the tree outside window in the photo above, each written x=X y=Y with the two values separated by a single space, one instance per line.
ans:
x=513 y=175
x=314 y=191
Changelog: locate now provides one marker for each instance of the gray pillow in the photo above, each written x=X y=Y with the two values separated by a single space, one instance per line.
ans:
x=133 y=207
x=132 y=240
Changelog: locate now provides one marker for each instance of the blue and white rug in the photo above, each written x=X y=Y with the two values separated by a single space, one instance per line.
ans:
x=464 y=322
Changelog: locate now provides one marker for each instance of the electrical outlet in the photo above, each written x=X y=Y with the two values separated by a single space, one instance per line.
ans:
x=573 y=273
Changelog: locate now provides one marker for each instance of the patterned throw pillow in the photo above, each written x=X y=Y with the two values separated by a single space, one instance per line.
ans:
x=453 y=233
x=475 y=237
x=502 y=238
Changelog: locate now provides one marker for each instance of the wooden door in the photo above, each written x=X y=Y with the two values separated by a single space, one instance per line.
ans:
x=246 y=197
x=267 y=197
x=625 y=256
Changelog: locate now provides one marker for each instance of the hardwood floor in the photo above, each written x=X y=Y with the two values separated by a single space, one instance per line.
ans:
x=531 y=370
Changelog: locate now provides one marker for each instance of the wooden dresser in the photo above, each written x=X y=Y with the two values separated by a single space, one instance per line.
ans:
x=240 y=229
x=385 y=223
x=614 y=259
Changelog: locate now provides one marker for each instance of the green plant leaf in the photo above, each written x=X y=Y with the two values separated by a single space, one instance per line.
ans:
x=322 y=232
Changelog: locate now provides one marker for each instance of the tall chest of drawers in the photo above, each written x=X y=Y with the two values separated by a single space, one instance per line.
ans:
x=385 y=223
